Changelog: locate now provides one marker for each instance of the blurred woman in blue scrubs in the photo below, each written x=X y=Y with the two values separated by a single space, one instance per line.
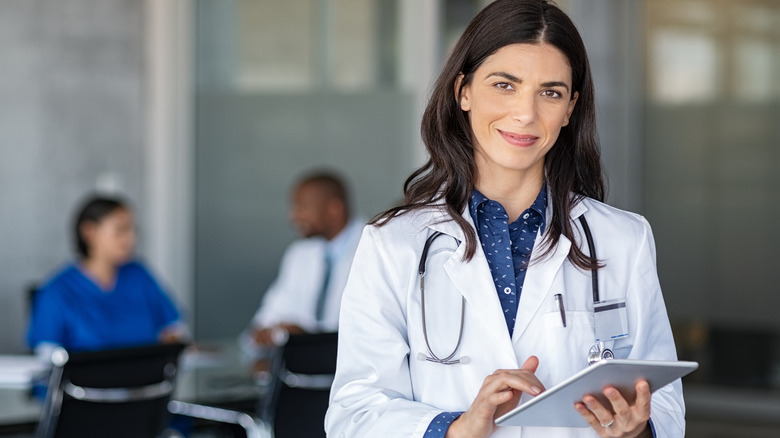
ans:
x=104 y=299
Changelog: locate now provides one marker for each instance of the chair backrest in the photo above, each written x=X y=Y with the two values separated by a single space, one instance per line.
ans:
x=30 y=292
x=303 y=379
x=119 y=393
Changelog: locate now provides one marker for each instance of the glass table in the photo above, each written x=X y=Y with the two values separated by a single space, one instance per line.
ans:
x=215 y=373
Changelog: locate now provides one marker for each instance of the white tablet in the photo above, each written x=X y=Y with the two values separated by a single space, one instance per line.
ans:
x=555 y=406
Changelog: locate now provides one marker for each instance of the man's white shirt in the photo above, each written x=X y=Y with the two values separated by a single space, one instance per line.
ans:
x=292 y=297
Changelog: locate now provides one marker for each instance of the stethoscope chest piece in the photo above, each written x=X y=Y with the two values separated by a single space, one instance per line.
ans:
x=598 y=352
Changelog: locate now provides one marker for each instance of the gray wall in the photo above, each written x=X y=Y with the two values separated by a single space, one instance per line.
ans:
x=713 y=174
x=71 y=76
x=274 y=99
x=609 y=29
x=250 y=149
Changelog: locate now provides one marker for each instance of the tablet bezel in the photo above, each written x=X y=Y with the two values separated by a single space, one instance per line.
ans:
x=555 y=406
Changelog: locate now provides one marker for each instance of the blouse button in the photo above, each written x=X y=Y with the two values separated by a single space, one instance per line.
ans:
x=507 y=290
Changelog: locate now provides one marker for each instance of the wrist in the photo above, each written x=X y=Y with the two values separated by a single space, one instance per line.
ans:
x=461 y=428
x=454 y=430
x=647 y=432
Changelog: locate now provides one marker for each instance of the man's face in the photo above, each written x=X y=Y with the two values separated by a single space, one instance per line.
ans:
x=309 y=210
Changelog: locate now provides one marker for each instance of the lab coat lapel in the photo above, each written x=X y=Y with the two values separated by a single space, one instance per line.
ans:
x=541 y=274
x=475 y=282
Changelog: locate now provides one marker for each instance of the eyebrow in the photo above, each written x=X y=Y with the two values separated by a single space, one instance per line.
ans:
x=514 y=78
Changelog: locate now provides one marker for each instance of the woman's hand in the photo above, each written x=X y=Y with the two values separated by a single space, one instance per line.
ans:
x=628 y=420
x=499 y=394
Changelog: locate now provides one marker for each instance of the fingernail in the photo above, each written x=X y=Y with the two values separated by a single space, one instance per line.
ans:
x=535 y=390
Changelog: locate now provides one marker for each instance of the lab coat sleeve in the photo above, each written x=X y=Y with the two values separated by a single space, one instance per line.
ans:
x=372 y=392
x=653 y=336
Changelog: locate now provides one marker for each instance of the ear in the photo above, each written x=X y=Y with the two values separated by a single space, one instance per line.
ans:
x=462 y=95
x=87 y=231
x=570 y=110
x=335 y=208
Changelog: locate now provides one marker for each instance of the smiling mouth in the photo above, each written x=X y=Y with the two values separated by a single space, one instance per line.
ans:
x=523 y=140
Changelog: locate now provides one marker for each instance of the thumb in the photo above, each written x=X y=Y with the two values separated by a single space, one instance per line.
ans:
x=530 y=364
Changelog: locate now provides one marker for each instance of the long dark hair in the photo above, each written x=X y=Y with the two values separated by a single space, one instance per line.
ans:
x=93 y=210
x=573 y=164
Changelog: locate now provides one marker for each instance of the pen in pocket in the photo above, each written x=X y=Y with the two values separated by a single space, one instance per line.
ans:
x=559 y=304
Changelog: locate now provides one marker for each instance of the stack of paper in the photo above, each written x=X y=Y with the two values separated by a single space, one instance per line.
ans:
x=19 y=371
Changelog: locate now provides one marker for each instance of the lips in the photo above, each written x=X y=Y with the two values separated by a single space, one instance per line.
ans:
x=521 y=140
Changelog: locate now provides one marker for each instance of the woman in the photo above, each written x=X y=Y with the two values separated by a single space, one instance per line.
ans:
x=510 y=130
x=105 y=299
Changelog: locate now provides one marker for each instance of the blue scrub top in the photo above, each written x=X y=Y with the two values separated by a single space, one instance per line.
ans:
x=75 y=313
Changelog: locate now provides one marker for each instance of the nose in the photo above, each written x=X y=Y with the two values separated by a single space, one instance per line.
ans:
x=524 y=108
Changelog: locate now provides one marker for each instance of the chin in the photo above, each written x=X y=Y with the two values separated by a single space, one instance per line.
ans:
x=121 y=260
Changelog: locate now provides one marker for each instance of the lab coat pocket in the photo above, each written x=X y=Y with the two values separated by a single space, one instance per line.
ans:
x=566 y=348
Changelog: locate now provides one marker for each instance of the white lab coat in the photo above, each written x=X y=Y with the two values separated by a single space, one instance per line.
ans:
x=383 y=390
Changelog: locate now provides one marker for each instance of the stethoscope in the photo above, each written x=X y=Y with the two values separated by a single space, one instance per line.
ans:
x=596 y=353
x=432 y=357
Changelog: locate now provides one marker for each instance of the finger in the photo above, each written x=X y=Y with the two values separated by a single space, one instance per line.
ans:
x=530 y=364
x=602 y=413
x=619 y=404
x=521 y=380
x=643 y=397
x=589 y=417
x=501 y=397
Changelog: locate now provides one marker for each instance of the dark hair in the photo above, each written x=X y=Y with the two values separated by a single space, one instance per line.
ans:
x=572 y=165
x=94 y=210
x=330 y=183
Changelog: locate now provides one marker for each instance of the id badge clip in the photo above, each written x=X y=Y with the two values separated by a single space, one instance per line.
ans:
x=609 y=318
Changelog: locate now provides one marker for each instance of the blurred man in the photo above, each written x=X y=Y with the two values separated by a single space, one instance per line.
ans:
x=306 y=294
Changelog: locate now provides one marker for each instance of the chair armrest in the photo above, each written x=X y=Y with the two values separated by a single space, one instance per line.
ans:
x=319 y=382
x=246 y=421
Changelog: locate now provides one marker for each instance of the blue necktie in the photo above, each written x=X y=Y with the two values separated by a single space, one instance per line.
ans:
x=324 y=291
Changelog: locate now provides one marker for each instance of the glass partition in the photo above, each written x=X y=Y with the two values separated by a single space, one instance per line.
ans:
x=713 y=180
x=284 y=87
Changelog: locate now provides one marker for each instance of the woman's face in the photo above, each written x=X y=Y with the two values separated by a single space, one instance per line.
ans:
x=112 y=238
x=518 y=101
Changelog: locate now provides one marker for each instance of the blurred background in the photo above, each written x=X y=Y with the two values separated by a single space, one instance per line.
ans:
x=204 y=112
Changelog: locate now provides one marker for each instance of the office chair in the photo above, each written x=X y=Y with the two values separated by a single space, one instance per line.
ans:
x=119 y=393
x=303 y=371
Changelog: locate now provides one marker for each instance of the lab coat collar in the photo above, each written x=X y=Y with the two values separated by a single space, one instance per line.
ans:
x=441 y=221
x=474 y=280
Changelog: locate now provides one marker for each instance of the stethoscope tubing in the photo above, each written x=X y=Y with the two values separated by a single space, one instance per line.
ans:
x=432 y=357
x=421 y=272
x=594 y=277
